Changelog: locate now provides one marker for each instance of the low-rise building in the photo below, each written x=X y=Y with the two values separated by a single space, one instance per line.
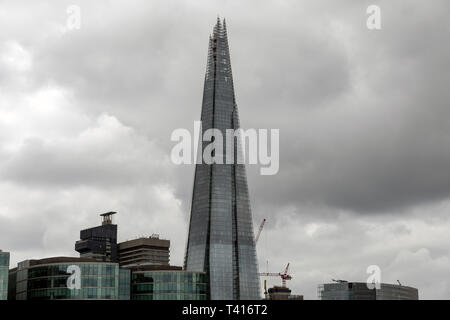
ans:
x=144 y=251
x=48 y=279
x=344 y=290
x=167 y=283
x=281 y=293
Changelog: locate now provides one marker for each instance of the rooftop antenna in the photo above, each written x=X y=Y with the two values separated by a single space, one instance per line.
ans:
x=107 y=217
x=339 y=281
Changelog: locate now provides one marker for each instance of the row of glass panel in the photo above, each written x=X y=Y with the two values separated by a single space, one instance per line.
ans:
x=180 y=276
x=4 y=259
x=65 y=293
x=199 y=288
x=86 y=269
x=3 y=282
x=61 y=282
x=169 y=296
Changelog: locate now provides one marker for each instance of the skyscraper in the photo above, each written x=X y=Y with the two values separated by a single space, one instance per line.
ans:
x=220 y=239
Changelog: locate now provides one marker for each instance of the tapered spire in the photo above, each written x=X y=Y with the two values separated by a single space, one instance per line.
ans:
x=217 y=28
x=220 y=238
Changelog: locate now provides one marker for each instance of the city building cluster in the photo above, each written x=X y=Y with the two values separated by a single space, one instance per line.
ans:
x=137 y=269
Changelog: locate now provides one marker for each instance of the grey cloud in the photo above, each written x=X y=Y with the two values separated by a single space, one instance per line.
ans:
x=363 y=119
x=107 y=154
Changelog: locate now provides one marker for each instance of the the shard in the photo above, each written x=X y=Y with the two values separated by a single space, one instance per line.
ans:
x=220 y=239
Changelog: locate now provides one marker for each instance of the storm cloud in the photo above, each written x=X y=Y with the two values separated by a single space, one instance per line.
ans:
x=86 y=117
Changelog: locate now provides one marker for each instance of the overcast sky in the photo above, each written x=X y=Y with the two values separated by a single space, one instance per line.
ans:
x=364 y=118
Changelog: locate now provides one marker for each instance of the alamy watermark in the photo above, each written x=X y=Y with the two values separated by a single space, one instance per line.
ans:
x=374 y=280
x=374 y=19
x=252 y=146
x=74 y=280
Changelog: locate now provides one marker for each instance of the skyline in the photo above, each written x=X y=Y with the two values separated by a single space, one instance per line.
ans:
x=363 y=118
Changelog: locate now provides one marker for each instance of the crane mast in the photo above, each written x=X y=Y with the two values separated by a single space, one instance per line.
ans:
x=259 y=230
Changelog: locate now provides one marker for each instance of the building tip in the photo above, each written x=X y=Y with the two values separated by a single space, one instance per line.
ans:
x=220 y=21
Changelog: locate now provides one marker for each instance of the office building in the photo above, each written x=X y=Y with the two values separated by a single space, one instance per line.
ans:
x=47 y=279
x=99 y=243
x=167 y=283
x=4 y=267
x=144 y=251
x=220 y=238
x=343 y=290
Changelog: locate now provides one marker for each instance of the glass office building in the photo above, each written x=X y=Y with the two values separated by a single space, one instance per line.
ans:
x=47 y=279
x=359 y=291
x=4 y=268
x=221 y=239
x=168 y=285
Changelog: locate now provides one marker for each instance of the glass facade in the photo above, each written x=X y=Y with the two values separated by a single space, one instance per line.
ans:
x=221 y=240
x=397 y=292
x=49 y=281
x=4 y=268
x=168 y=285
x=360 y=291
x=124 y=284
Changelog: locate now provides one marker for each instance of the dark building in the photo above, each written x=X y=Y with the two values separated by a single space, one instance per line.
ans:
x=4 y=267
x=99 y=243
x=46 y=279
x=144 y=251
x=221 y=240
x=344 y=290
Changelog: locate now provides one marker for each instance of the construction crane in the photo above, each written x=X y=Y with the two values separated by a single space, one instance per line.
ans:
x=284 y=275
x=259 y=230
